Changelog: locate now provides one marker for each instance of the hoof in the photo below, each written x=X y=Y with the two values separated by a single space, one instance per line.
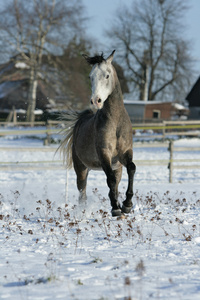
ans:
x=116 y=212
x=126 y=209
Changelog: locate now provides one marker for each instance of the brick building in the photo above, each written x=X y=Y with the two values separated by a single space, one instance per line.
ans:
x=156 y=110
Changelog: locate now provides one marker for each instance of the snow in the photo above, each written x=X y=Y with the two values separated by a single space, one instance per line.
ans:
x=178 y=106
x=21 y=65
x=38 y=112
x=20 y=111
x=55 y=248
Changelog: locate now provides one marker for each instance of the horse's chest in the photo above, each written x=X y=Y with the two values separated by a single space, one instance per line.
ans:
x=89 y=147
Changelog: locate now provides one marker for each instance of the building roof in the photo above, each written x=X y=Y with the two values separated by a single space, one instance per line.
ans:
x=142 y=102
x=8 y=87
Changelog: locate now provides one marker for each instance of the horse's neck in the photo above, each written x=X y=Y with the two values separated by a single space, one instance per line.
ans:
x=114 y=105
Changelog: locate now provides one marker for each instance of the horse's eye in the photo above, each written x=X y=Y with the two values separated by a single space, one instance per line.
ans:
x=107 y=76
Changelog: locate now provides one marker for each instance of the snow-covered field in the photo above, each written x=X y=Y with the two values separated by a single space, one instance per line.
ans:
x=53 y=248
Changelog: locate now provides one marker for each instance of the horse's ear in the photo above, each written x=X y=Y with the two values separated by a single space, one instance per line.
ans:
x=110 y=57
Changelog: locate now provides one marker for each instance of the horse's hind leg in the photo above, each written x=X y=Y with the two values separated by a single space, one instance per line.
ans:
x=118 y=176
x=131 y=168
x=81 y=183
x=81 y=177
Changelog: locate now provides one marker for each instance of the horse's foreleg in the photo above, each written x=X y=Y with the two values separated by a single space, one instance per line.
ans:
x=131 y=168
x=113 y=178
x=112 y=182
x=127 y=204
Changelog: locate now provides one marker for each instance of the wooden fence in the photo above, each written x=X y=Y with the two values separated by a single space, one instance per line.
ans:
x=31 y=165
x=175 y=163
x=34 y=165
x=160 y=130
x=50 y=128
x=170 y=163
x=169 y=128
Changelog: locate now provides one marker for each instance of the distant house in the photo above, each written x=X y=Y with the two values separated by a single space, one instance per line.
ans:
x=14 y=86
x=157 y=110
x=193 y=99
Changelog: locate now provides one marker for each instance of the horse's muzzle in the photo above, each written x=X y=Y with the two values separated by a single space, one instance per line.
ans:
x=97 y=102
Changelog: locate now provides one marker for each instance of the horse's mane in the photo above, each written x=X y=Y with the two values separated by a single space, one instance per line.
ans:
x=97 y=59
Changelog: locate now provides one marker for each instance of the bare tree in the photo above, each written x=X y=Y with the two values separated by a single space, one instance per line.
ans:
x=149 y=37
x=33 y=28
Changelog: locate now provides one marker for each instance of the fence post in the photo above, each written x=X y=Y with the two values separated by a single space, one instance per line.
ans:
x=171 y=148
x=163 y=130
x=14 y=116
x=47 y=140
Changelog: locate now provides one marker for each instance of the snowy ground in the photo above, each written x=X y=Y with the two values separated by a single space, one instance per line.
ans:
x=51 y=248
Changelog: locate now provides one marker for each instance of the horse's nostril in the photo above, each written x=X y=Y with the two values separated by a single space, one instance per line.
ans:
x=91 y=102
x=99 y=100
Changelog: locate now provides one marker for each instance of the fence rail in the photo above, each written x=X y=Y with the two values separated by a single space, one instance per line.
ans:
x=29 y=132
x=29 y=149
x=169 y=128
x=17 y=167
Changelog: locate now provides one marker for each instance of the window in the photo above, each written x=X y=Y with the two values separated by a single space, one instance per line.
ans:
x=156 y=114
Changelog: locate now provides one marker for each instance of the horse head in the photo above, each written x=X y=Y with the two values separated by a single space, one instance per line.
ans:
x=102 y=78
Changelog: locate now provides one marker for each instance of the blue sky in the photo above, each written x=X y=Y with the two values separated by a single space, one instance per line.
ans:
x=102 y=11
